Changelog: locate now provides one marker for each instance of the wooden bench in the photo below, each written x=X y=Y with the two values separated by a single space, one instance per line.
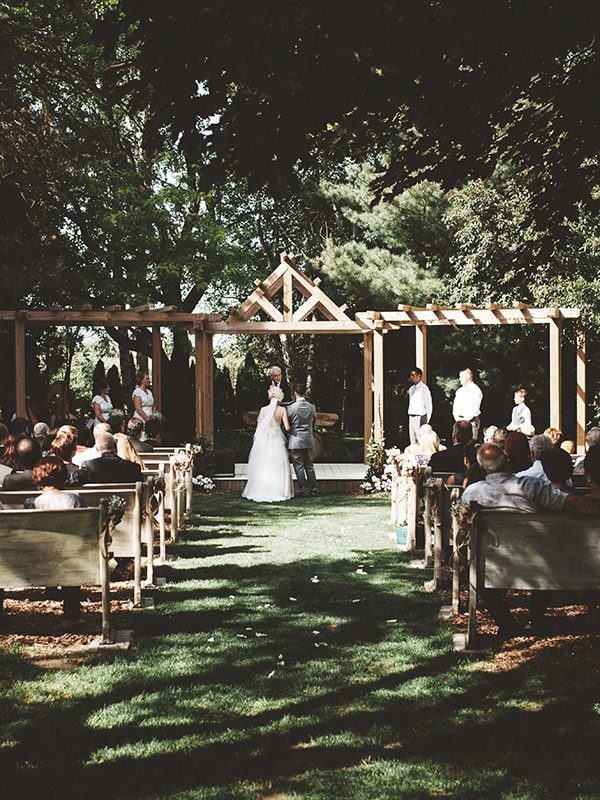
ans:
x=126 y=536
x=55 y=548
x=542 y=551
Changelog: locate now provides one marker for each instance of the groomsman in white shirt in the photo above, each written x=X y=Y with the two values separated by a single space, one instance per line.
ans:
x=467 y=401
x=420 y=406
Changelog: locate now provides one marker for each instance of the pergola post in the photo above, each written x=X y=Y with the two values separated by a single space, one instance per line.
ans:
x=367 y=388
x=555 y=372
x=581 y=399
x=199 y=342
x=20 y=389
x=378 y=383
x=421 y=349
x=210 y=382
x=156 y=367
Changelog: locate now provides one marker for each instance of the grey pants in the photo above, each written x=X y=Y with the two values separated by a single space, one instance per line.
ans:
x=305 y=470
x=414 y=423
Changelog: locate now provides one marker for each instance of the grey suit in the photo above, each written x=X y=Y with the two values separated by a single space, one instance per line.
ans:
x=301 y=415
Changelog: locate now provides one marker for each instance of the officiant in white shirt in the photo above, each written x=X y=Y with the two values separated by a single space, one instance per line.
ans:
x=467 y=401
x=420 y=406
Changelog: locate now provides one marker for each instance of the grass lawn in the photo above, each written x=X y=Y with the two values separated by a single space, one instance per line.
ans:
x=293 y=654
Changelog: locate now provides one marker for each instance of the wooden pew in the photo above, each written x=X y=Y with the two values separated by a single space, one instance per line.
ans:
x=542 y=551
x=56 y=548
x=126 y=536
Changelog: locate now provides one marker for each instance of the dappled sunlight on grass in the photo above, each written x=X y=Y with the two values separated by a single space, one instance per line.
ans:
x=293 y=654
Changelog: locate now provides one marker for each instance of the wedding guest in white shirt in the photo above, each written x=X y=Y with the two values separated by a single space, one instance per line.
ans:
x=420 y=406
x=101 y=406
x=467 y=401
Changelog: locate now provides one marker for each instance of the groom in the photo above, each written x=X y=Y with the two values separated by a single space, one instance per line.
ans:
x=301 y=415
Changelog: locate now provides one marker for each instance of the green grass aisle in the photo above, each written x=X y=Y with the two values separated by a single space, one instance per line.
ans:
x=293 y=654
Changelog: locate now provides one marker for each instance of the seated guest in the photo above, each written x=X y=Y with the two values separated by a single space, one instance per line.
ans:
x=20 y=426
x=451 y=460
x=153 y=428
x=592 y=471
x=91 y=452
x=27 y=454
x=472 y=472
x=428 y=443
x=3 y=438
x=568 y=445
x=7 y=459
x=65 y=446
x=499 y=436
x=50 y=475
x=538 y=445
x=558 y=466
x=488 y=433
x=125 y=449
x=516 y=447
x=504 y=491
x=555 y=436
x=109 y=467
x=40 y=431
x=135 y=428
x=592 y=438
x=116 y=421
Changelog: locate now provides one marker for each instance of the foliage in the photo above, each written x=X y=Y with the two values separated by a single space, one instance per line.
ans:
x=204 y=458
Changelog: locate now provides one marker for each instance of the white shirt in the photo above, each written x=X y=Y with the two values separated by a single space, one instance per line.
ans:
x=85 y=455
x=467 y=402
x=105 y=404
x=419 y=400
x=536 y=470
x=521 y=415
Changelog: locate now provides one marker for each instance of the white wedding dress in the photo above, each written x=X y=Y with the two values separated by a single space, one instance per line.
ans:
x=269 y=471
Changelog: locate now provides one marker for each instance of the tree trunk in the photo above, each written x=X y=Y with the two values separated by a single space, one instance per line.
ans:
x=71 y=344
x=310 y=361
x=127 y=368
x=285 y=350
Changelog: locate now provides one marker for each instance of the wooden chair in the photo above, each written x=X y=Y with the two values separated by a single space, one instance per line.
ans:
x=543 y=551
x=56 y=548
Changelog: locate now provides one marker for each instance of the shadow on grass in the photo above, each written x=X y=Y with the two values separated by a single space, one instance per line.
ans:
x=255 y=679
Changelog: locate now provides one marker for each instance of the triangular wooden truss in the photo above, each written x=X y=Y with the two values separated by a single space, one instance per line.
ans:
x=285 y=278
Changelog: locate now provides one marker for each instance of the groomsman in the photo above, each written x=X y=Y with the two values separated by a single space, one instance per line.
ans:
x=420 y=406
x=467 y=401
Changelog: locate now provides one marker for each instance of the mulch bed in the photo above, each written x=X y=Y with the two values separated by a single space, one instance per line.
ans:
x=33 y=621
x=569 y=631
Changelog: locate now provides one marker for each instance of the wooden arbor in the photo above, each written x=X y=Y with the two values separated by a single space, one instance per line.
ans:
x=520 y=314
x=113 y=316
x=285 y=280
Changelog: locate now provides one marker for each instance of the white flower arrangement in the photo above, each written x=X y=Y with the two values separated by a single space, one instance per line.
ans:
x=205 y=484
x=377 y=484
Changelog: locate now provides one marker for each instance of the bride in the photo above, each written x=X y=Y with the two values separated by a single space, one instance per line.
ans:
x=269 y=473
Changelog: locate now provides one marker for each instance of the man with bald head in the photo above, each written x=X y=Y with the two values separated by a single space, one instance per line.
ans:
x=503 y=490
x=27 y=454
x=108 y=467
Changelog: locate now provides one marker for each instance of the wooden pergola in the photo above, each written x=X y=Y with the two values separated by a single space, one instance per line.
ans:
x=317 y=313
x=422 y=318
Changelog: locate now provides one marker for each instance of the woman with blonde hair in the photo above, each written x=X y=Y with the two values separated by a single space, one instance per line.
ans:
x=428 y=443
x=126 y=450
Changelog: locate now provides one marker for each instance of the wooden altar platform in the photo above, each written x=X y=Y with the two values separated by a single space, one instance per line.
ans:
x=331 y=478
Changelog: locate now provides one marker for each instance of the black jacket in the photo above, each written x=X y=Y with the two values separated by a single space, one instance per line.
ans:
x=18 y=482
x=450 y=460
x=284 y=386
x=109 y=468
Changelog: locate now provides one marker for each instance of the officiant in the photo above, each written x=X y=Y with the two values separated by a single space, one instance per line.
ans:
x=276 y=379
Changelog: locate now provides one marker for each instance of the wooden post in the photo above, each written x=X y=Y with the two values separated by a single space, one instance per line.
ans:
x=209 y=388
x=156 y=367
x=421 y=349
x=199 y=343
x=20 y=389
x=367 y=388
x=288 y=296
x=581 y=400
x=378 y=383
x=555 y=326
